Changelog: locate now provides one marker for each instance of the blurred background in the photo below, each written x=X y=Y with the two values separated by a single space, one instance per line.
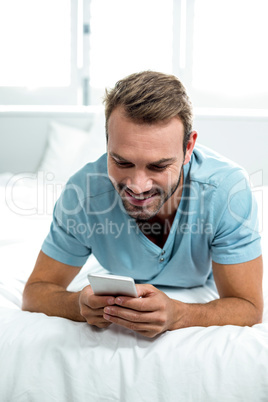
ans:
x=58 y=56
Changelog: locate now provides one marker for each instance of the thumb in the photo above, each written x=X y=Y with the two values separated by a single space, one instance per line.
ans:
x=145 y=290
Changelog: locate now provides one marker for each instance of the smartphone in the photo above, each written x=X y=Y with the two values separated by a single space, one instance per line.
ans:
x=114 y=285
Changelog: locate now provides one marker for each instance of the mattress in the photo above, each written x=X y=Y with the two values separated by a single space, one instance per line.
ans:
x=55 y=359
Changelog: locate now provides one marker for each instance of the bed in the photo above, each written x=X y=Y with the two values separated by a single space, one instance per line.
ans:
x=46 y=359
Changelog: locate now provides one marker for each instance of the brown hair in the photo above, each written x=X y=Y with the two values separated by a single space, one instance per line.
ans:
x=151 y=97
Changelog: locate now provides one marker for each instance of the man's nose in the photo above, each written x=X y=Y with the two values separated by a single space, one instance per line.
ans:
x=139 y=182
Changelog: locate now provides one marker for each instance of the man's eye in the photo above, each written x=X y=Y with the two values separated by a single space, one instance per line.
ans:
x=157 y=167
x=123 y=164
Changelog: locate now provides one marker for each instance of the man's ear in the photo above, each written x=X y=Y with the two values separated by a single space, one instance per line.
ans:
x=190 y=147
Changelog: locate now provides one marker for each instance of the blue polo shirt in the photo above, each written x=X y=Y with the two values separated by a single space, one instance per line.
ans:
x=216 y=220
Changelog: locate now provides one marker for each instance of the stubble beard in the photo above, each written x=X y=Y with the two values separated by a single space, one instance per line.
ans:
x=142 y=214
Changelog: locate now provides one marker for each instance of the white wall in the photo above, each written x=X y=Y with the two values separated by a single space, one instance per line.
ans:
x=243 y=139
x=24 y=132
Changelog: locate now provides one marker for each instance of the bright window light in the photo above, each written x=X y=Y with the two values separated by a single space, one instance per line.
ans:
x=127 y=37
x=230 y=47
x=35 y=43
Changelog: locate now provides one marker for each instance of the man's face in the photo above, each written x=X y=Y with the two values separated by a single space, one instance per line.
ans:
x=145 y=164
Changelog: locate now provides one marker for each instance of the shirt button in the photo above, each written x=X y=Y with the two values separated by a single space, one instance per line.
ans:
x=163 y=252
x=161 y=259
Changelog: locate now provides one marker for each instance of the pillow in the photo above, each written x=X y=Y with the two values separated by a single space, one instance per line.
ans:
x=69 y=148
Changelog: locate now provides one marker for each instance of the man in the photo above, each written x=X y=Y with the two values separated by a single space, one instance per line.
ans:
x=158 y=209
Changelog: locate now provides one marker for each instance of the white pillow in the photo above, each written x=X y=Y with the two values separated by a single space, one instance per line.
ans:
x=70 y=148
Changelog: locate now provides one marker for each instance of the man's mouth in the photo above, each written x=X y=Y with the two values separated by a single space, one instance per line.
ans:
x=139 y=199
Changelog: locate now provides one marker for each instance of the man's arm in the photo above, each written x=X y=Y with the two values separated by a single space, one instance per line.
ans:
x=240 y=303
x=45 y=292
x=241 y=300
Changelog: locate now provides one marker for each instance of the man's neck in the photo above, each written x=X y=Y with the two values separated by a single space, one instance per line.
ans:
x=157 y=228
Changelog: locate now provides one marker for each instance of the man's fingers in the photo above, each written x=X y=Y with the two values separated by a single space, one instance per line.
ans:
x=144 y=328
x=94 y=301
x=97 y=302
x=127 y=314
x=145 y=302
x=145 y=290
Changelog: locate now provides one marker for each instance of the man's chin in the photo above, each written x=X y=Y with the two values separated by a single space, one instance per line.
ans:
x=140 y=217
x=140 y=214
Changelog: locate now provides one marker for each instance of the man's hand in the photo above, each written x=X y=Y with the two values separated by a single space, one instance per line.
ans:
x=150 y=314
x=92 y=306
x=240 y=303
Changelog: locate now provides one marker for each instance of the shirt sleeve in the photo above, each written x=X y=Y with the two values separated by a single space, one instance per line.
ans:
x=235 y=215
x=65 y=242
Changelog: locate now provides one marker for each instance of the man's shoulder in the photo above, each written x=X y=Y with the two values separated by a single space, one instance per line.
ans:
x=211 y=168
x=92 y=180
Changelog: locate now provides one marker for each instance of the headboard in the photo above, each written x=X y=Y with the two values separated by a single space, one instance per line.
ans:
x=24 y=131
x=242 y=138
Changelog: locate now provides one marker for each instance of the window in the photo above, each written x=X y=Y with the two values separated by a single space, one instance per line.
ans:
x=66 y=52
x=127 y=37
x=225 y=62
x=38 y=54
x=69 y=51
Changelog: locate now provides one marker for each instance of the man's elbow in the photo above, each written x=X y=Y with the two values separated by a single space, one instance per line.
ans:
x=25 y=305
x=253 y=314
x=257 y=315
x=27 y=299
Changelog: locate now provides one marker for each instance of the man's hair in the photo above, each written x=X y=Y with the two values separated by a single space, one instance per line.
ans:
x=151 y=97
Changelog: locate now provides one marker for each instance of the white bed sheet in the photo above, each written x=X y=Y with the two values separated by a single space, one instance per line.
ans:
x=53 y=359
